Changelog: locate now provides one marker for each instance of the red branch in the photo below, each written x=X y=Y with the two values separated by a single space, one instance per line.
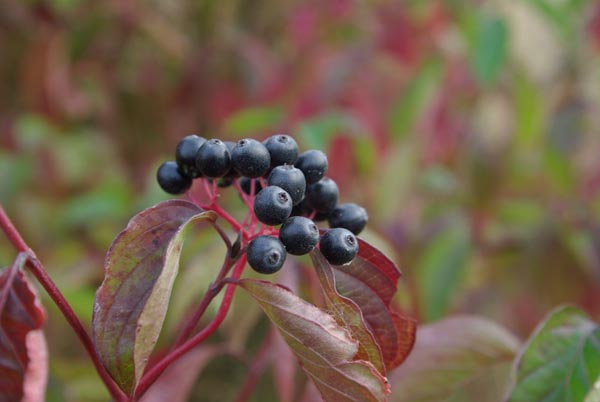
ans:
x=39 y=272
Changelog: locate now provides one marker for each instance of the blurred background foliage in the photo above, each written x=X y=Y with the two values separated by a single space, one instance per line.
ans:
x=469 y=129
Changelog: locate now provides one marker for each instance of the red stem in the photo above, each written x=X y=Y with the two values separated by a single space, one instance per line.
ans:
x=152 y=375
x=259 y=363
x=40 y=273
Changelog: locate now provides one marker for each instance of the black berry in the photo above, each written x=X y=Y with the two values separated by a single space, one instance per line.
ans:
x=246 y=185
x=339 y=246
x=171 y=179
x=323 y=195
x=291 y=180
x=232 y=173
x=250 y=158
x=266 y=254
x=282 y=148
x=313 y=164
x=272 y=205
x=349 y=216
x=299 y=235
x=185 y=154
x=213 y=158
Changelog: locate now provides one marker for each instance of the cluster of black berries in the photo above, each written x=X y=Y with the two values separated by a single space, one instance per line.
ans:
x=296 y=192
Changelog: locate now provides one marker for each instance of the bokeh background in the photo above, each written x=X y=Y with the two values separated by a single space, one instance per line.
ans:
x=469 y=129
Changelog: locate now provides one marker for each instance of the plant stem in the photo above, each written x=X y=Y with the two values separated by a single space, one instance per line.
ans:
x=41 y=275
x=153 y=374
x=259 y=363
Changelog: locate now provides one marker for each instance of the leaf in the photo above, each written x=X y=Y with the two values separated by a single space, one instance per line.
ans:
x=347 y=314
x=371 y=281
x=23 y=351
x=561 y=360
x=325 y=350
x=460 y=359
x=489 y=50
x=131 y=304
x=441 y=269
x=253 y=119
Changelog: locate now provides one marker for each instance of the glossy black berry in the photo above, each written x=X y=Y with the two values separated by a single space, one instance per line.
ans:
x=349 y=216
x=250 y=158
x=171 y=179
x=282 y=148
x=213 y=158
x=299 y=235
x=313 y=164
x=232 y=173
x=266 y=254
x=323 y=195
x=185 y=154
x=272 y=205
x=246 y=185
x=291 y=180
x=339 y=246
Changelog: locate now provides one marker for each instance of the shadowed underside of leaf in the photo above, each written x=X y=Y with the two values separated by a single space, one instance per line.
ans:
x=371 y=281
x=131 y=303
x=561 y=361
x=459 y=359
x=23 y=355
x=325 y=350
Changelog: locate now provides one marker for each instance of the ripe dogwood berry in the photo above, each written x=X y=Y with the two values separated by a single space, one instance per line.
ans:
x=339 y=246
x=272 y=205
x=290 y=179
x=323 y=195
x=299 y=235
x=185 y=154
x=313 y=164
x=282 y=148
x=266 y=254
x=213 y=158
x=171 y=179
x=250 y=158
x=349 y=216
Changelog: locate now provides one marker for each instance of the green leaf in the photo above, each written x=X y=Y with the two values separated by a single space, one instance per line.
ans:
x=561 y=360
x=325 y=350
x=441 y=269
x=459 y=359
x=131 y=304
x=489 y=50
x=347 y=313
x=253 y=119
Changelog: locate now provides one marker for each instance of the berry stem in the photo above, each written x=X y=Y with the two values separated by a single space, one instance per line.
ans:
x=224 y=214
x=37 y=269
x=245 y=197
x=153 y=374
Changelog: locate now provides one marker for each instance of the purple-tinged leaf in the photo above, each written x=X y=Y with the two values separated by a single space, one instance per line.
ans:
x=131 y=304
x=325 y=350
x=347 y=314
x=561 y=360
x=371 y=281
x=462 y=358
x=23 y=352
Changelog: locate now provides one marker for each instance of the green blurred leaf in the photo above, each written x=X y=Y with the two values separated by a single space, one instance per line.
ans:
x=561 y=360
x=410 y=104
x=441 y=268
x=529 y=112
x=315 y=133
x=251 y=120
x=566 y=16
x=459 y=359
x=489 y=51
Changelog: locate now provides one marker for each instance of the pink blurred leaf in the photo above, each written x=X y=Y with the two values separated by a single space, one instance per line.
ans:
x=325 y=350
x=371 y=281
x=23 y=353
x=462 y=358
x=131 y=304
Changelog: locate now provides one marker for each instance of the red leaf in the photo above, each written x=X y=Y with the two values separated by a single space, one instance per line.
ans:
x=371 y=281
x=23 y=356
x=325 y=350
x=131 y=304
